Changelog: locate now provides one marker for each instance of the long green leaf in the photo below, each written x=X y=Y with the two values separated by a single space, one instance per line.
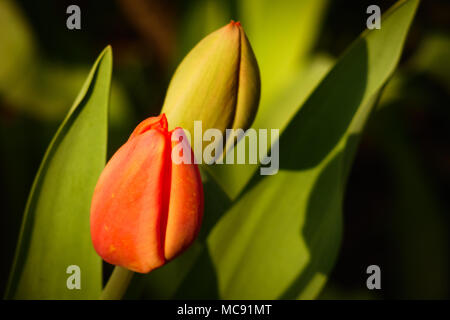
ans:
x=280 y=238
x=55 y=229
x=233 y=178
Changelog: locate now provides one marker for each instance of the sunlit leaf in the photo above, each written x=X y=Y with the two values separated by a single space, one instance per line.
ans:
x=55 y=229
x=233 y=178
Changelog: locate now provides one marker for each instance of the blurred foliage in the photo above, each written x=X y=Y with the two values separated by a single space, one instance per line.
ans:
x=396 y=200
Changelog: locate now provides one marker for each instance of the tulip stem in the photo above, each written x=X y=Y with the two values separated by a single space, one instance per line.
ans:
x=117 y=284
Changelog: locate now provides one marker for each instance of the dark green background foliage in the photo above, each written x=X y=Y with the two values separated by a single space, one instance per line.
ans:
x=395 y=201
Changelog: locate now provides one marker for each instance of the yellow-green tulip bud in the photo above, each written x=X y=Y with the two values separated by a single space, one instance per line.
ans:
x=218 y=83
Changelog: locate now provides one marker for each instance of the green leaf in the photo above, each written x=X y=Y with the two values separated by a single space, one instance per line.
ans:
x=281 y=236
x=55 y=229
x=233 y=178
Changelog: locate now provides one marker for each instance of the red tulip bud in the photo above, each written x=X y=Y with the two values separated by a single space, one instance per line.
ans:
x=146 y=209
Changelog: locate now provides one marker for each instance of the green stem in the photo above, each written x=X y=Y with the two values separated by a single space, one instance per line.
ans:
x=117 y=284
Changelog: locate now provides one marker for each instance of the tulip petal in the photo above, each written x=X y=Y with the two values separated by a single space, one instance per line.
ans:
x=146 y=208
x=249 y=85
x=185 y=206
x=158 y=123
x=128 y=210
